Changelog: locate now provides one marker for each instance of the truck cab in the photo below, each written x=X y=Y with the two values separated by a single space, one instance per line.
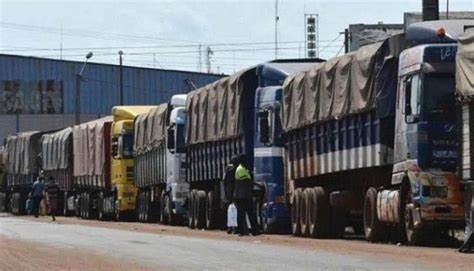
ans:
x=268 y=150
x=176 y=186
x=121 y=165
x=426 y=133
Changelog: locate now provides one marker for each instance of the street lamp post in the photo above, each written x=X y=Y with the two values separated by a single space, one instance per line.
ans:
x=121 y=78
x=77 y=113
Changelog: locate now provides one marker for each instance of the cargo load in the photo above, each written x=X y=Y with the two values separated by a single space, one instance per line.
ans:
x=23 y=160
x=150 y=135
x=57 y=157
x=91 y=146
x=465 y=93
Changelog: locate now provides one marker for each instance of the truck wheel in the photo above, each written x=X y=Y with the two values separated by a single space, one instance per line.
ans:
x=146 y=207
x=295 y=215
x=304 y=221
x=138 y=206
x=319 y=213
x=65 y=207
x=100 y=206
x=163 y=218
x=169 y=211
x=191 y=205
x=210 y=212
x=414 y=236
x=199 y=215
x=118 y=214
x=373 y=228
x=258 y=207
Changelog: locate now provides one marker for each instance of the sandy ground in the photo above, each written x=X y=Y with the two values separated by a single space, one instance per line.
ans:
x=436 y=258
x=20 y=255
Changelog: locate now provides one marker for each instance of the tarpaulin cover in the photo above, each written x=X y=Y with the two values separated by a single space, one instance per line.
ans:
x=465 y=66
x=150 y=129
x=22 y=153
x=214 y=111
x=341 y=86
x=89 y=149
x=56 y=149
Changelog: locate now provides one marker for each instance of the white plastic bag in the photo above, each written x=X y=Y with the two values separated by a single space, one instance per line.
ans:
x=231 y=216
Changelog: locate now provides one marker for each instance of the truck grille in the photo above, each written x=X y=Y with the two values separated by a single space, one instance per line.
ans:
x=130 y=174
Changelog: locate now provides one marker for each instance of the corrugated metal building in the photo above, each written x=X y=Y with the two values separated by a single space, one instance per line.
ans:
x=38 y=93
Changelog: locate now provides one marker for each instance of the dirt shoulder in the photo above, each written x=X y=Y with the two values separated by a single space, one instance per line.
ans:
x=435 y=257
x=21 y=255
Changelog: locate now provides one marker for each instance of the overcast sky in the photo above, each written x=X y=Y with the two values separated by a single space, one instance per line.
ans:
x=167 y=34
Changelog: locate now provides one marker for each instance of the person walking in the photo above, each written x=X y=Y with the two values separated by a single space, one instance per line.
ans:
x=37 y=194
x=229 y=184
x=243 y=193
x=52 y=196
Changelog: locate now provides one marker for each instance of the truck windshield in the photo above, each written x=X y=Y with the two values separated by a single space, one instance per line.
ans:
x=438 y=95
x=180 y=138
x=127 y=146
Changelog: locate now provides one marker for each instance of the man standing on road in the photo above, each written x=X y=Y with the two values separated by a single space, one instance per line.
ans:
x=243 y=193
x=52 y=194
x=37 y=194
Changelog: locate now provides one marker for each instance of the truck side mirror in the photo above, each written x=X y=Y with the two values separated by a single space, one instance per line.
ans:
x=264 y=127
x=170 y=139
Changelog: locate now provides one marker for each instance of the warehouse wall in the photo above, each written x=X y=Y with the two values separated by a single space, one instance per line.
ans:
x=47 y=85
x=38 y=93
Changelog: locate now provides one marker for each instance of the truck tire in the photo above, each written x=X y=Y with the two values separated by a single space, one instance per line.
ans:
x=100 y=207
x=169 y=211
x=191 y=207
x=373 y=228
x=319 y=213
x=163 y=215
x=199 y=215
x=210 y=211
x=295 y=215
x=146 y=206
x=413 y=236
x=304 y=208
x=65 y=207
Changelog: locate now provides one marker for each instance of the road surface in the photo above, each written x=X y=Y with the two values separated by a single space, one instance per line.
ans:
x=78 y=246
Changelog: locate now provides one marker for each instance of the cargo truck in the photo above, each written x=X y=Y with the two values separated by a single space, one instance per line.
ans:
x=57 y=162
x=370 y=140
x=103 y=165
x=160 y=162
x=220 y=124
x=23 y=164
x=465 y=94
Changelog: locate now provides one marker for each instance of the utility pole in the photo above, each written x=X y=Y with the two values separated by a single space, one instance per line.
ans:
x=121 y=77
x=208 y=58
x=276 y=28
x=77 y=94
x=447 y=9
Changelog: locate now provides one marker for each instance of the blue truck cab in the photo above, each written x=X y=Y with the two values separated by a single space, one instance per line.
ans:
x=268 y=147
x=426 y=137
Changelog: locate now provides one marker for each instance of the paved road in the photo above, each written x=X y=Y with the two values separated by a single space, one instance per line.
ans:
x=168 y=252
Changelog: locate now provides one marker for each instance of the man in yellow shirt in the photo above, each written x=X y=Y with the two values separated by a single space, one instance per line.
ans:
x=243 y=193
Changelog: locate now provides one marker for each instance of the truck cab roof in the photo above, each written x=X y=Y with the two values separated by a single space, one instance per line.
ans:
x=178 y=100
x=274 y=73
x=441 y=31
x=129 y=112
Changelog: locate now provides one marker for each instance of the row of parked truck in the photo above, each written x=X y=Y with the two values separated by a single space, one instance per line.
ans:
x=374 y=139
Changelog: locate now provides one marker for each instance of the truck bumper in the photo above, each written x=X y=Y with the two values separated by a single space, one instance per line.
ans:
x=127 y=195
x=442 y=212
